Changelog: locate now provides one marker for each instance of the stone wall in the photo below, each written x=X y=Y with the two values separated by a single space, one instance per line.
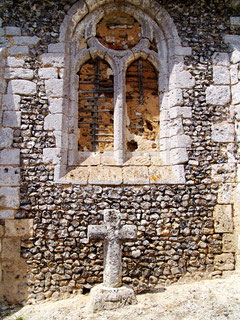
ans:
x=183 y=229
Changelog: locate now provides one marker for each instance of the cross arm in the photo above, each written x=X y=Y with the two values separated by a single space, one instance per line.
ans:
x=97 y=232
x=128 y=232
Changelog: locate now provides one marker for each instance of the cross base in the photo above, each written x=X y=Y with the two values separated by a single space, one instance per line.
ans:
x=106 y=298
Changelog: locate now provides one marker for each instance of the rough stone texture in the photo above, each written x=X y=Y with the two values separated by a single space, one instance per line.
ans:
x=223 y=221
x=224 y=261
x=218 y=95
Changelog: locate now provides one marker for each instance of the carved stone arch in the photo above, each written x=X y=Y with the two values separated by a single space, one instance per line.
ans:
x=78 y=33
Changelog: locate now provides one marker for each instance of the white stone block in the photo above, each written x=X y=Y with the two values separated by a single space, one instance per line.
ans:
x=185 y=112
x=175 y=127
x=11 y=102
x=61 y=139
x=54 y=155
x=221 y=75
x=25 y=40
x=54 y=122
x=18 y=73
x=15 y=62
x=56 y=105
x=180 y=141
x=22 y=87
x=7 y=214
x=54 y=88
x=235 y=55
x=183 y=51
x=234 y=74
x=3 y=85
x=175 y=98
x=56 y=47
x=178 y=156
x=218 y=95
x=52 y=60
x=12 y=119
x=6 y=139
x=9 y=197
x=184 y=80
x=223 y=221
x=9 y=176
x=48 y=73
x=226 y=193
x=223 y=132
x=12 y=31
x=236 y=93
x=220 y=59
x=224 y=172
x=18 y=50
x=10 y=157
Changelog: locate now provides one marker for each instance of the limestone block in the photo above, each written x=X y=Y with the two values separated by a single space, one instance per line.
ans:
x=185 y=112
x=15 y=62
x=105 y=175
x=224 y=261
x=48 y=73
x=22 y=87
x=183 y=51
x=89 y=158
x=236 y=93
x=61 y=139
x=22 y=228
x=56 y=47
x=54 y=88
x=135 y=175
x=184 y=80
x=178 y=156
x=226 y=193
x=12 y=31
x=175 y=127
x=221 y=75
x=175 y=98
x=7 y=214
x=218 y=95
x=10 y=248
x=223 y=172
x=12 y=119
x=56 y=105
x=6 y=135
x=54 y=155
x=9 y=176
x=166 y=175
x=18 y=73
x=25 y=40
x=235 y=55
x=234 y=74
x=223 y=132
x=228 y=243
x=160 y=159
x=223 y=221
x=52 y=60
x=220 y=59
x=137 y=159
x=9 y=197
x=78 y=175
x=179 y=141
x=55 y=122
x=3 y=85
x=18 y=50
x=10 y=156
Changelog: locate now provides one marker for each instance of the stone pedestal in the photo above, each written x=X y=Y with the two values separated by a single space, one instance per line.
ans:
x=105 y=298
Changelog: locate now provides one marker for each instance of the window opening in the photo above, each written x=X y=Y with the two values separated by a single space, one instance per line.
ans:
x=96 y=101
x=142 y=107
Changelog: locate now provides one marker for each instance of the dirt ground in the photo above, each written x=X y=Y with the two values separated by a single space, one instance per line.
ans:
x=205 y=299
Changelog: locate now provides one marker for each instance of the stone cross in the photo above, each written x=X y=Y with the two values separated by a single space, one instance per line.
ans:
x=113 y=237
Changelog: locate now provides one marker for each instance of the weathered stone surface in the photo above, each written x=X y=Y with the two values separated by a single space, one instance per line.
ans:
x=48 y=73
x=175 y=97
x=15 y=62
x=135 y=175
x=223 y=172
x=229 y=242
x=25 y=40
x=221 y=75
x=56 y=47
x=79 y=175
x=56 y=105
x=54 y=88
x=7 y=214
x=10 y=156
x=223 y=221
x=52 y=60
x=54 y=122
x=236 y=93
x=22 y=87
x=218 y=95
x=226 y=193
x=12 y=119
x=224 y=261
x=18 y=50
x=12 y=31
x=16 y=73
x=223 y=132
x=105 y=175
x=9 y=176
x=22 y=228
x=6 y=135
x=105 y=298
x=220 y=59
x=9 y=197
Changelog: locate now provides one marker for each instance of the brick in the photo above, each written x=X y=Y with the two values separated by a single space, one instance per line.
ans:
x=48 y=73
x=18 y=50
x=221 y=75
x=6 y=135
x=22 y=87
x=10 y=156
x=54 y=88
x=22 y=228
x=223 y=221
x=18 y=73
x=223 y=132
x=12 y=119
x=25 y=40
x=12 y=31
x=218 y=95
x=9 y=197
